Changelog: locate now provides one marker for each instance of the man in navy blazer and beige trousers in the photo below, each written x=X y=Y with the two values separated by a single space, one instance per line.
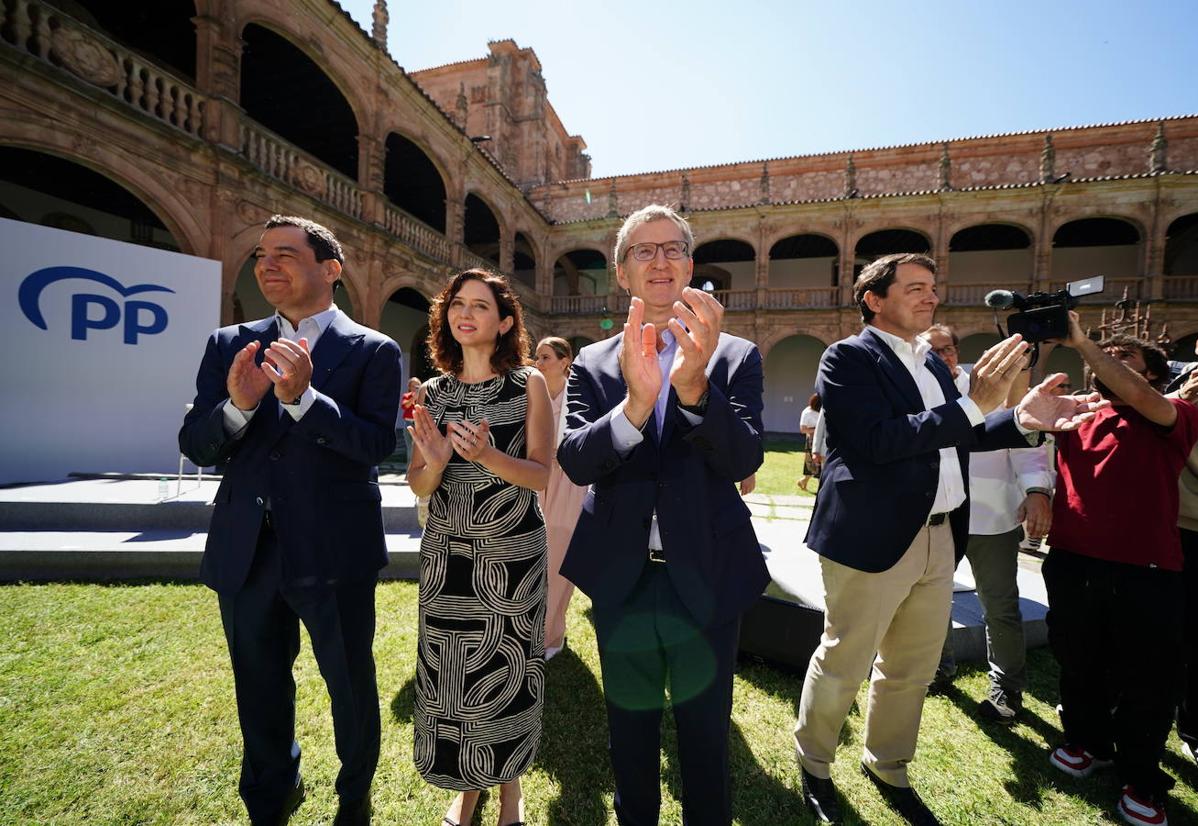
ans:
x=664 y=420
x=892 y=517
x=299 y=408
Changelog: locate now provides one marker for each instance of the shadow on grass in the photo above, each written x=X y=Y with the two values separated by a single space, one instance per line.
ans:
x=1033 y=774
x=573 y=747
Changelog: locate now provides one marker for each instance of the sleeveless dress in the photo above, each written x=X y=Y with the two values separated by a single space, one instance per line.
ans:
x=480 y=672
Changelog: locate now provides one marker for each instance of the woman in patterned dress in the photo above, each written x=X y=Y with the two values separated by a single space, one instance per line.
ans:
x=483 y=439
x=561 y=501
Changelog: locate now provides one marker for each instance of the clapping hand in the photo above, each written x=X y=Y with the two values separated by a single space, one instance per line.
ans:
x=696 y=328
x=995 y=371
x=434 y=448
x=471 y=441
x=1041 y=409
x=638 y=364
x=288 y=365
x=246 y=384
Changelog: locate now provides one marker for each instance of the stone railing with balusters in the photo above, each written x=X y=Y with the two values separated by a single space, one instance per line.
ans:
x=416 y=234
x=974 y=295
x=1138 y=289
x=472 y=260
x=60 y=40
x=578 y=304
x=282 y=160
x=736 y=299
x=803 y=298
x=1181 y=287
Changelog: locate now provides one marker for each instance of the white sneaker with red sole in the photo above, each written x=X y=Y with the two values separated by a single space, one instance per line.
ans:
x=1077 y=761
x=1141 y=811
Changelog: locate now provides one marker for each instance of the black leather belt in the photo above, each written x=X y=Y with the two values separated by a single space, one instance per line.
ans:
x=937 y=519
x=656 y=556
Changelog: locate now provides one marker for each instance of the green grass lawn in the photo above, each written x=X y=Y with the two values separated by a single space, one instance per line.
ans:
x=116 y=707
x=783 y=467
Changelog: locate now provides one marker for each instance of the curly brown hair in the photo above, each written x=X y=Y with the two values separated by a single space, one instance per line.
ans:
x=511 y=348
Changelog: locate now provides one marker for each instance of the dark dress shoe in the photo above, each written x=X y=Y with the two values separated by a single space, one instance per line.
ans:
x=903 y=800
x=820 y=797
x=280 y=817
x=353 y=812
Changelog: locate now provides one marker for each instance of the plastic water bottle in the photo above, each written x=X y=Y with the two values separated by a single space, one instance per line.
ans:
x=163 y=489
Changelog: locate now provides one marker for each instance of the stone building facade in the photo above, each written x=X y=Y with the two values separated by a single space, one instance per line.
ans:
x=185 y=123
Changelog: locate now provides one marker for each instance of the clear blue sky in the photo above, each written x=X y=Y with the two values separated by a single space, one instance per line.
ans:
x=660 y=85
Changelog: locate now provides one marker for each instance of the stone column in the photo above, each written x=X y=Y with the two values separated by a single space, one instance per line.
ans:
x=218 y=77
x=371 y=158
x=507 y=249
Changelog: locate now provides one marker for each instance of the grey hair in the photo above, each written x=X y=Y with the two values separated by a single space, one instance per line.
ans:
x=646 y=215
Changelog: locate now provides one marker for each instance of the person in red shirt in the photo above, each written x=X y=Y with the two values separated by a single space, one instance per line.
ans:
x=1113 y=575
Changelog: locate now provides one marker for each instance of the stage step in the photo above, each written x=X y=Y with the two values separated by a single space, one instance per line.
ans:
x=97 y=556
x=136 y=503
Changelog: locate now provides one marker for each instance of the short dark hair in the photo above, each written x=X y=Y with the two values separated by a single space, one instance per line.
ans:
x=322 y=240
x=511 y=348
x=877 y=277
x=1155 y=359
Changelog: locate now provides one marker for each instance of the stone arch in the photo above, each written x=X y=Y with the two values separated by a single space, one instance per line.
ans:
x=727 y=262
x=483 y=227
x=161 y=30
x=414 y=180
x=404 y=317
x=805 y=259
x=153 y=191
x=1181 y=246
x=575 y=269
x=790 y=370
x=1096 y=245
x=993 y=252
x=875 y=243
x=524 y=259
x=333 y=137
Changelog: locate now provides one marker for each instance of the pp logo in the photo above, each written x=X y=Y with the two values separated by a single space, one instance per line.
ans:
x=90 y=311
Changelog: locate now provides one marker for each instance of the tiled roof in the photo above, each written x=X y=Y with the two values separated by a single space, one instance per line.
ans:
x=846 y=153
x=907 y=194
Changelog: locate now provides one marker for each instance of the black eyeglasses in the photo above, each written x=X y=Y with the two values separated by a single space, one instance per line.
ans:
x=943 y=351
x=647 y=250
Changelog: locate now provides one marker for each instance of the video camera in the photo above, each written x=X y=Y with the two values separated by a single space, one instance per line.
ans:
x=1041 y=316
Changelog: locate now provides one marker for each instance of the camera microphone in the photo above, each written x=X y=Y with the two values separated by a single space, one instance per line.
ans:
x=1000 y=299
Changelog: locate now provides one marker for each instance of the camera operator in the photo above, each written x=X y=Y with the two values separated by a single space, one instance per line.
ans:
x=1113 y=575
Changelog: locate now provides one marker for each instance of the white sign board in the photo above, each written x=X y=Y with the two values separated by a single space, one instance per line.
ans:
x=101 y=341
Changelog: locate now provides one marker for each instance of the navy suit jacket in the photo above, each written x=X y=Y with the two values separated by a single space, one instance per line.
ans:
x=883 y=463
x=689 y=475
x=319 y=474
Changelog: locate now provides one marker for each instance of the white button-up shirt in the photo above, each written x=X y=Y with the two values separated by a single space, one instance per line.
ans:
x=950 y=488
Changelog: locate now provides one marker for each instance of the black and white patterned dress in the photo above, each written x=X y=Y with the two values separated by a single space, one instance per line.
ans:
x=479 y=668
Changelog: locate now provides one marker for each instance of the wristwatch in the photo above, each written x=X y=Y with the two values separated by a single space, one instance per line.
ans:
x=699 y=407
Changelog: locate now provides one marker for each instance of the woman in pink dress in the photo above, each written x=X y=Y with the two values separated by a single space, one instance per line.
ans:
x=561 y=502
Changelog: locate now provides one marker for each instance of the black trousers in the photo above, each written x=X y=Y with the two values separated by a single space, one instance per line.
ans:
x=261 y=623
x=646 y=643
x=1187 y=713
x=1116 y=631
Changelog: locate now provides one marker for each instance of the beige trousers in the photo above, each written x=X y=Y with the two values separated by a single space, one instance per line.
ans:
x=894 y=620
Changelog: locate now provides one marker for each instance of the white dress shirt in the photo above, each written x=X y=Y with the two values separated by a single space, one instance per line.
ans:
x=950 y=488
x=310 y=328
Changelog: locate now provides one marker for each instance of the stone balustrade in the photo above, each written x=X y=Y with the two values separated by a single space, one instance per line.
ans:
x=417 y=234
x=46 y=33
x=283 y=161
